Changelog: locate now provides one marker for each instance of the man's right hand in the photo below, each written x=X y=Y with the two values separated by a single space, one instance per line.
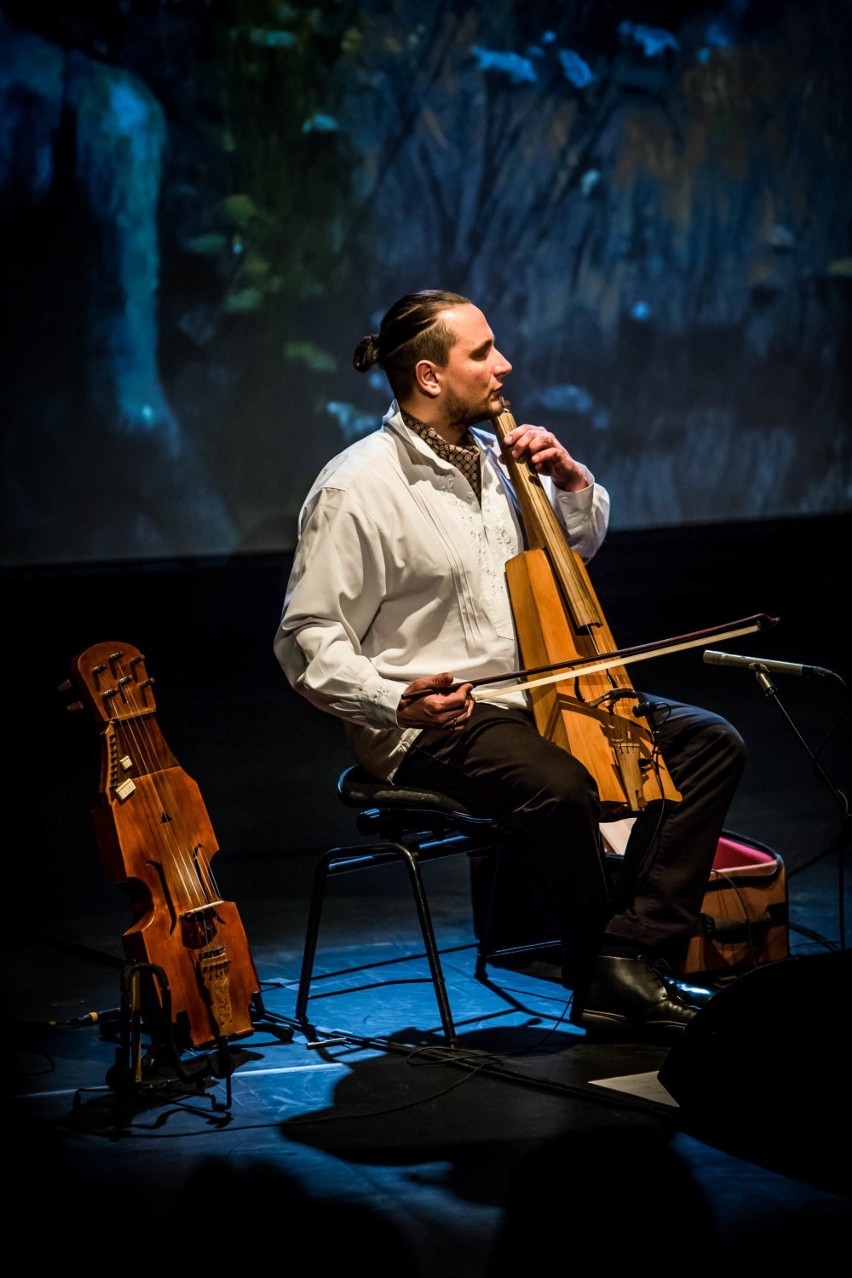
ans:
x=425 y=705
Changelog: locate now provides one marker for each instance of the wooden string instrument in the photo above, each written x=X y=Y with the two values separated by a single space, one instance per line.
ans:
x=155 y=837
x=558 y=618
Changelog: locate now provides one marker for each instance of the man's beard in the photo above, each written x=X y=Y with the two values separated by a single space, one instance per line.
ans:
x=463 y=414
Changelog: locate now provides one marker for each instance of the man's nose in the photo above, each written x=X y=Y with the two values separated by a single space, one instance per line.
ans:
x=503 y=365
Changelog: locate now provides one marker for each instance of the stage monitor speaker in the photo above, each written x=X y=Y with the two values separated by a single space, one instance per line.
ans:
x=763 y=1069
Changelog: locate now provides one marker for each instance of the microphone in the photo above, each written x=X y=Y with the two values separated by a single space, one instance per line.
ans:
x=643 y=708
x=758 y=663
x=91 y=1018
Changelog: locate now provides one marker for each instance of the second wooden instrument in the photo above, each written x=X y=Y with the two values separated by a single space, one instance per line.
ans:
x=155 y=837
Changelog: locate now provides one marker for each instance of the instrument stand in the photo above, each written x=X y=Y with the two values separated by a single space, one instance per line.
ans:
x=262 y=1019
x=158 y=1073
x=767 y=686
x=149 y=1068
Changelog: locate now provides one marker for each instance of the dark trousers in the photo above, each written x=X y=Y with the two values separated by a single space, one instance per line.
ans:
x=547 y=802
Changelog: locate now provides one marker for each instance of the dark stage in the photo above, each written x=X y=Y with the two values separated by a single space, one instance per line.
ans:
x=361 y=1138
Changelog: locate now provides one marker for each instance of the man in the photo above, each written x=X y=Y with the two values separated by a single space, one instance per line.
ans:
x=397 y=601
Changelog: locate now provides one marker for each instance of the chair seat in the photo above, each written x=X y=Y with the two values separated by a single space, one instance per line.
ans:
x=390 y=811
x=358 y=789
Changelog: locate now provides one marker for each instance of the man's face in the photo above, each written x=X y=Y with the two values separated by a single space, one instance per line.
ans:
x=473 y=377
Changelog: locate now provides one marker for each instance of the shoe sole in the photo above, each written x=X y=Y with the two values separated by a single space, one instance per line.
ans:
x=605 y=1023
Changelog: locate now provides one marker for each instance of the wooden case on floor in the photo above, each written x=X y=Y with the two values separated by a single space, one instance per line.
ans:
x=743 y=921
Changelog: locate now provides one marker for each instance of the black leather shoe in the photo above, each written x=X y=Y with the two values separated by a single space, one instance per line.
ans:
x=628 y=995
x=696 y=995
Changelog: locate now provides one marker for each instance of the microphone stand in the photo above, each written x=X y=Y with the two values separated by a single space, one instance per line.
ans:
x=762 y=676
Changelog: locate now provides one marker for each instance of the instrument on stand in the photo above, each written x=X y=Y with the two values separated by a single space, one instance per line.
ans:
x=155 y=837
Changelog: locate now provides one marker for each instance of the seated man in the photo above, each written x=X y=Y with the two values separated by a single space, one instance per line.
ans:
x=398 y=600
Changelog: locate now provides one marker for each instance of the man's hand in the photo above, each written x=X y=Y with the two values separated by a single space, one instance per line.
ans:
x=547 y=456
x=422 y=707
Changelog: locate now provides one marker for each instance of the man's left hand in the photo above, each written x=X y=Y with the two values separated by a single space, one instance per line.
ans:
x=547 y=456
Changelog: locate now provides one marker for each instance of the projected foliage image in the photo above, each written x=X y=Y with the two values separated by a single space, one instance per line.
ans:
x=206 y=207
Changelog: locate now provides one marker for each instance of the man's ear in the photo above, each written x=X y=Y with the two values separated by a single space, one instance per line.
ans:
x=427 y=378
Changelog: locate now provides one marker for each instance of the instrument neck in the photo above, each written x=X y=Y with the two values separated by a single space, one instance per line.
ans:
x=544 y=532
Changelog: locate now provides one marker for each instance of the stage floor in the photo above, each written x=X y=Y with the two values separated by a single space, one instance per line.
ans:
x=362 y=1138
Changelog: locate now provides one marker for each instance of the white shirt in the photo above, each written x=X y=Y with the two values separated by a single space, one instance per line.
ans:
x=399 y=573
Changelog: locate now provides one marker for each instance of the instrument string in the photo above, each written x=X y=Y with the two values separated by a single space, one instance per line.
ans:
x=557 y=613
x=183 y=863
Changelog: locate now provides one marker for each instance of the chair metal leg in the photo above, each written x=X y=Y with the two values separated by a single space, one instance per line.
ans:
x=340 y=860
x=424 y=914
x=311 y=935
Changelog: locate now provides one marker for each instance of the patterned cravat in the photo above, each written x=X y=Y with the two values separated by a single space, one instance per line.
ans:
x=464 y=455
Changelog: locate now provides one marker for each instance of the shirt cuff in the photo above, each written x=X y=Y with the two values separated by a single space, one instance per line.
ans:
x=380 y=702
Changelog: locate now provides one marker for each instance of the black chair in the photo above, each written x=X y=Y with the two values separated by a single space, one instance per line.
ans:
x=410 y=826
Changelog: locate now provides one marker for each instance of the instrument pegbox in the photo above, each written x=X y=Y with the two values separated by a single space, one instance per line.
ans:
x=67 y=686
x=113 y=681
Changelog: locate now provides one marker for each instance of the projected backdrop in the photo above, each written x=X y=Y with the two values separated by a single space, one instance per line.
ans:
x=206 y=206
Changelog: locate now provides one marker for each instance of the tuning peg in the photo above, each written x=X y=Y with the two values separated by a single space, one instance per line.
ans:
x=66 y=686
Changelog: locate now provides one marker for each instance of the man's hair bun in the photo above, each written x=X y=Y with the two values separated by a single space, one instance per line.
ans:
x=366 y=353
